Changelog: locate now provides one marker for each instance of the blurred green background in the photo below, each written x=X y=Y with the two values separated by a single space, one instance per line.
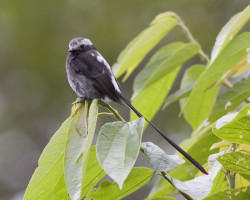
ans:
x=35 y=96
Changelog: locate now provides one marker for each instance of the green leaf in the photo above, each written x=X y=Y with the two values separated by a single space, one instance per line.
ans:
x=138 y=48
x=230 y=99
x=236 y=161
x=234 y=127
x=73 y=160
x=189 y=78
x=149 y=97
x=50 y=166
x=230 y=194
x=163 y=198
x=78 y=149
x=138 y=177
x=92 y=119
x=179 y=94
x=118 y=145
x=94 y=174
x=159 y=160
x=180 y=56
x=232 y=27
x=228 y=58
x=203 y=102
x=60 y=191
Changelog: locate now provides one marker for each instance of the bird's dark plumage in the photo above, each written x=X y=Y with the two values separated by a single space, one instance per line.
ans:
x=90 y=76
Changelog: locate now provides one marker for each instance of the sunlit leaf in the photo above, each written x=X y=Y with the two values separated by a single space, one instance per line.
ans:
x=236 y=161
x=230 y=56
x=234 y=127
x=203 y=102
x=118 y=145
x=178 y=57
x=162 y=198
x=232 y=27
x=228 y=194
x=50 y=166
x=159 y=160
x=138 y=48
x=230 y=99
x=148 y=97
x=138 y=177
x=220 y=144
x=94 y=174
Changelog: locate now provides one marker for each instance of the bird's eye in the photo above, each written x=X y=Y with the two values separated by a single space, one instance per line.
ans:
x=82 y=46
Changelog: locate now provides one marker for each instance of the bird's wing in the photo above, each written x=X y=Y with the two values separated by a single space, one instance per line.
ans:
x=95 y=67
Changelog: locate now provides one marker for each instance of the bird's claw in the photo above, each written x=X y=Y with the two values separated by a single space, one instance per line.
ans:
x=82 y=99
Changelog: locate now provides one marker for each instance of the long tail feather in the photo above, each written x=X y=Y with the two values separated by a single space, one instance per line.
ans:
x=186 y=155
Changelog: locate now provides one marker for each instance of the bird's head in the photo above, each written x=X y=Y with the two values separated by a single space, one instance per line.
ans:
x=80 y=44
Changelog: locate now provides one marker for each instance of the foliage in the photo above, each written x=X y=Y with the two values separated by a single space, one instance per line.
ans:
x=70 y=167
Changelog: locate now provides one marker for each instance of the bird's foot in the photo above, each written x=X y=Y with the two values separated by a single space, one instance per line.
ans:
x=82 y=99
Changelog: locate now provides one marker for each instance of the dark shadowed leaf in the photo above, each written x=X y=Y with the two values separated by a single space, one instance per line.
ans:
x=230 y=99
x=179 y=94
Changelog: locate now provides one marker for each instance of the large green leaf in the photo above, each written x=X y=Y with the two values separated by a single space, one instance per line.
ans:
x=234 y=127
x=92 y=119
x=50 y=166
x=236 y=161
x=177 y=58
x=138 y=177
x=203 y=102
x=228 y=58
x=138 y=48
x=232 y=27
x=230 y=99
x=118 y=145
x=149 y=94
x=73 y=160
x=159 y=160
x=77 y=148
x=94 y=174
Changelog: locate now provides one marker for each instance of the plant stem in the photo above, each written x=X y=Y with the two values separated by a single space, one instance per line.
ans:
x=230 y=174
x=112 y=110
x=203 y=55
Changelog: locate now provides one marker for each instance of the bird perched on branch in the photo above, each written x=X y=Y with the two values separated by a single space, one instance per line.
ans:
x=90 y=76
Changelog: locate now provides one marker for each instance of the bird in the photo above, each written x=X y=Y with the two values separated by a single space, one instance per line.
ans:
x=91 y=77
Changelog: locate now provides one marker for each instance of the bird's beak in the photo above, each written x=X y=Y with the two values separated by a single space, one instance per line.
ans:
x=71 y=50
